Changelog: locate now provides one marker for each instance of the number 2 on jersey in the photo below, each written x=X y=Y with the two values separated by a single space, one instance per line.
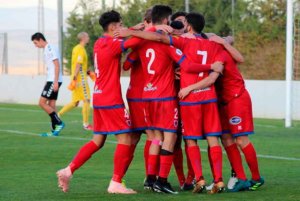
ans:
x=150 y=53
x=204 y=59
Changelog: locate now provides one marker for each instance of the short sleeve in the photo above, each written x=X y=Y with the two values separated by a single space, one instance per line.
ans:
x=222 y=56
x=51 y=53
x=80 y=56
x=176 y=54
x=130 y=60
x=132 y=43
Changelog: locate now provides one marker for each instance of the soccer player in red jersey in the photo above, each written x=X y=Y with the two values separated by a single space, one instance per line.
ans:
x=110 y=115
x=159 y=94
x=237 y=121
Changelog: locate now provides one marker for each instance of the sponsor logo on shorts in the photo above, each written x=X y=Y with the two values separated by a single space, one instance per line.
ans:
x=235 y=120
x=150 y=87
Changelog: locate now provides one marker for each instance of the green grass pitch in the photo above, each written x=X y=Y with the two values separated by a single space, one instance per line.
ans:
x=28 y=162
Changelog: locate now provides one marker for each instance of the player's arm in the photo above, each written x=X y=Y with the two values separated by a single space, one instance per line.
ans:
x=130 y=60
x=206 y=82
x=56 y=75
x=234 y=52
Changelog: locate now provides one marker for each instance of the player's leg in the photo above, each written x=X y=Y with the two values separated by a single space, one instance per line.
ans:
x=85 y=115
x=150 y=137
x=178 y=160
x=153 y=159
x=240 y=182
x=122 y=159
x=166 y=160
x=192 y=131
x=57 y=122
x=241 y=125
x=190 y=175
x=68 y=108
x=212 y=130
x=85 y=152
x=194 y=155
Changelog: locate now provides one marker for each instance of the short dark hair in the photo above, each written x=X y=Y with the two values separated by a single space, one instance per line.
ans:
x=178 y=14
x=109 y=17
x=38 y=36
x=196 y=21
x=177 y=25
x=147 y=15
x=159 y=13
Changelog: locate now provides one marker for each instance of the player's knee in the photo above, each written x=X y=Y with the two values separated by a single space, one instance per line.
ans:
x=227 y=140
x=191 y=143
x=242 y=141
x=75 y=104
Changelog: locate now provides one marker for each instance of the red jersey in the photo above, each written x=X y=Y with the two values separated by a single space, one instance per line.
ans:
x=107 y=56
x=231 y=84
x=203 y=51
x=135 y=88
x=157 y=61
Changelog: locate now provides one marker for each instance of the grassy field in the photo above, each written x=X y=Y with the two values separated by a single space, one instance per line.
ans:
x=28 y=162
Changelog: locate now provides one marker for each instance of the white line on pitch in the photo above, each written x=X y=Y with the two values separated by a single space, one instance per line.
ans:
x=42 y=122
x=29 y=110
x=114 y=142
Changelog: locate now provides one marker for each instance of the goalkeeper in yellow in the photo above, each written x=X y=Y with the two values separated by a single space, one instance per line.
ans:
x=79 y=83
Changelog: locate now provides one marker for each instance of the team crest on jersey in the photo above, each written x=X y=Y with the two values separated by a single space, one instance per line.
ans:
x=178 y=51
x=150 y=87
x=235 y=120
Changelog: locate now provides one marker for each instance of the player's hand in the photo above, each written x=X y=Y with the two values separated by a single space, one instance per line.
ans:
x=217 y=67
x=55 y=86
x=188 y=35
x=92 y=75
x=72 y=85
x=165 y=28
x=217 y=39
x=122 y=33
x=139 y=26
x=184 y=92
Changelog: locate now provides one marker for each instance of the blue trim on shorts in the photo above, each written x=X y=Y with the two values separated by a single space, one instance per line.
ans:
x=139 y=129
x=159 y=99
x=242 y=134
x=216 y=134
x=111 y=132
x=193 y=137
x=109 y=107
x=135 y=100
x=198 y=103
x=226 y=132
x=162 y=129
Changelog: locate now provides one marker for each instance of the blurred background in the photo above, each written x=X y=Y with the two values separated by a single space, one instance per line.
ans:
x=259 y=28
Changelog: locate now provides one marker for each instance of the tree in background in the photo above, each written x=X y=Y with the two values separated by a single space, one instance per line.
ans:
x=259 y=28
x=84 y=17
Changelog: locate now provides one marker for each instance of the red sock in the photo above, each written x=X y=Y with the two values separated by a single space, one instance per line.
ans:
x=195 y=157
x=178 y=164
x=122 y=160
x=251 y=158
x=165 y=165
x=153 y=164
x=210 y=162
x=83 y=155
x=132 y=149
x=235 y=160
x=216 y=158
x=190 y=175
x=146 y=154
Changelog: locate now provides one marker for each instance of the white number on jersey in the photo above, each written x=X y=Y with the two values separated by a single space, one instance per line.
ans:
x=150 y=53
x=204 y=59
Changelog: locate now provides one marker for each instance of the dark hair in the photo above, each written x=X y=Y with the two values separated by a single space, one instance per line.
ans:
x=178 y=14
x=38 y=36
x=147 y=15
x=159 y=13
x=109 y=17
x=176 y=24
x=196 y=21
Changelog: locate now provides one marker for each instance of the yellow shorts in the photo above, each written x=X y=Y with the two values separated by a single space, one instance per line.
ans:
x=81 y=92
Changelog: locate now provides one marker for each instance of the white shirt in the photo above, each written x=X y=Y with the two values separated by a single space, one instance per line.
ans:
x=50 y=54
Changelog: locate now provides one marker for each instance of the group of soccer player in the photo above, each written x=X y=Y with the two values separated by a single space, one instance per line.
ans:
x=184 y=84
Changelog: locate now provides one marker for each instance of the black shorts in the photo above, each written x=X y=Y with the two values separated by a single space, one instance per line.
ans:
x=48 y=91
